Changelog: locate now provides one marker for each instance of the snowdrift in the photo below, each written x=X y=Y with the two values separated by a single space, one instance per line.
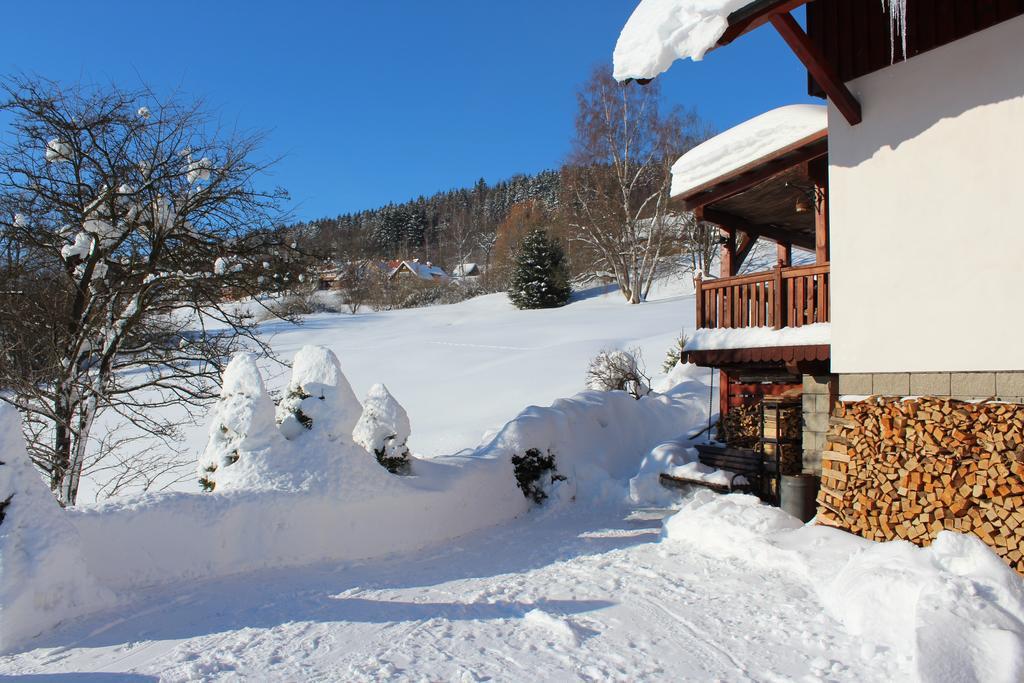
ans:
x=599 y=439
x=954 y=609
x=43 y=578
x=317 y=496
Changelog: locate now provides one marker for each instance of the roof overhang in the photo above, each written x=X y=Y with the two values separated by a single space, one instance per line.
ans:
x=755 y=14
x=785 y=356
x=778 y=13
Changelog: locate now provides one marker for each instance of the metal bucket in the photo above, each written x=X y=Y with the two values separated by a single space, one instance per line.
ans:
x=800 y=494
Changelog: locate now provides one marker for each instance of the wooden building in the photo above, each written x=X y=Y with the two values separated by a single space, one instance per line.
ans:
x=916 y=204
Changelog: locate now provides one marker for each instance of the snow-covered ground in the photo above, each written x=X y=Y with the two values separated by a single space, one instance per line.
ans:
x=464 y=370
x=451 y=574
x=584 y=594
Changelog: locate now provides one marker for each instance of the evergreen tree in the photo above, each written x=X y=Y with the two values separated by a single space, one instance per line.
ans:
x=540 y=278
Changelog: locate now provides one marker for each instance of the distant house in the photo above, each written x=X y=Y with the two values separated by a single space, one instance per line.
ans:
x=467 y=270
x=334 y=275
x=422 y=270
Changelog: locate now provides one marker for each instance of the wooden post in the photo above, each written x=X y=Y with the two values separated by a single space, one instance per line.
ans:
x=785 y=253
x=698 y=292
x=818 y=173
x=780 y=297
x=728 y=260
x=723 y=394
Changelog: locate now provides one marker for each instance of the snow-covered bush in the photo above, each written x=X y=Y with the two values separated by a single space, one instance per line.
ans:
x=43 y=577
x=618 y=371
x=383 y=429
x=243 y=433
x=318 y=397
x=540 y=277
x=535 y=473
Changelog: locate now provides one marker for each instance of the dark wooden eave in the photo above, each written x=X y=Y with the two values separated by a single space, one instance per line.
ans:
x=754 y=14
x=770 y=354
x=754 y=173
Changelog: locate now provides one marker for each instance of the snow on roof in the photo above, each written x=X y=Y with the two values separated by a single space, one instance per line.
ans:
x=465 y=270
x=425 y=271
x=662 y=31
x=747 y=144
x=722 y=338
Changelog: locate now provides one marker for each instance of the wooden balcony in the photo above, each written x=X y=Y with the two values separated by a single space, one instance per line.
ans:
x=781 y=297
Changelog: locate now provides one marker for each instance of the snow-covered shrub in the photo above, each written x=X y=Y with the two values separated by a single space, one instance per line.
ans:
x=618 y=371
x=535 y=473
x=43 y=577
x=540 y=277
x=243 y=432
x=383 y=429
x=318 y=397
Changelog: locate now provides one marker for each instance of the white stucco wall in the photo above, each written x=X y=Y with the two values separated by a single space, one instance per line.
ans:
x=927 y=211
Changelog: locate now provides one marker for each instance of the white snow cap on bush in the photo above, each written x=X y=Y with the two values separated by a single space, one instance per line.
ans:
x=43 y=577
x=384 y=425
x=243 y=434
x=320 y=392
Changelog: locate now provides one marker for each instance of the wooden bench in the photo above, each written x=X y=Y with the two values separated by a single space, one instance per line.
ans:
x=741 y=462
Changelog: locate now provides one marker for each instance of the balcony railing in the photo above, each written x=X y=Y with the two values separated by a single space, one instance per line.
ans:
x=781 y=297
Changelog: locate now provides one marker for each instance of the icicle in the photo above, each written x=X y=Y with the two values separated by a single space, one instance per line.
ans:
x=897 y=11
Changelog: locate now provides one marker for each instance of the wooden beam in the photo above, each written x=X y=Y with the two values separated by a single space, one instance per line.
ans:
x=743 y=249
x=746 y=19
x=727 y=263
x=784 y=251
x=820 y=69
x=776 y=234
x=735 y=185
x=819 y=176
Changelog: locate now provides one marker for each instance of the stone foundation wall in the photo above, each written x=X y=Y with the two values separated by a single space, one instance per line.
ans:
x=966 y=386
x=909 y=468
x=819 y=397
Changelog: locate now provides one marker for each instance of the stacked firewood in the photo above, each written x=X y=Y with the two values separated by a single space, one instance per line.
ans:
x=740 y=427
x=909 y=468
x=789 y=429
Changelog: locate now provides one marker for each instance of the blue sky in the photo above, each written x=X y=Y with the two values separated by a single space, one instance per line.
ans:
x=373 y=101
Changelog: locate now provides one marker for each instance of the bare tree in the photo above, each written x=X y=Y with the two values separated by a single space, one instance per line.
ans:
x=617 y=180
x=131 y=226
x=700 y=244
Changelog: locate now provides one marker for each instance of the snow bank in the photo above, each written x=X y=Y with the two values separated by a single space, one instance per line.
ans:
x=954 y=608
x=706 y=339
x=662 y=31
x=645 y=488
x=747 y=144
x=598 y=438
x=43 y=578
